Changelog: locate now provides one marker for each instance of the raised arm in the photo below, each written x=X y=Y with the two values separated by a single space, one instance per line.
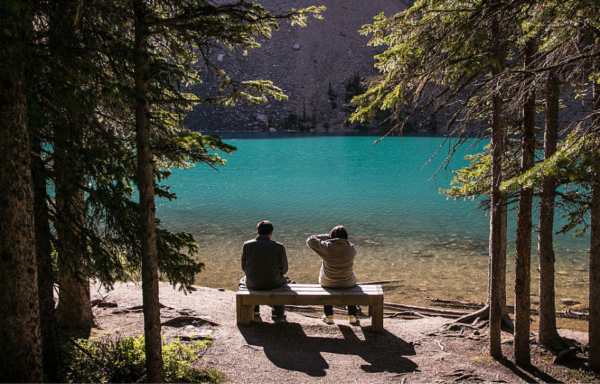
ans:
x=316 y=243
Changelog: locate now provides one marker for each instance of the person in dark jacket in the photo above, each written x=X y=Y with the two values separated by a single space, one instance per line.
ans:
x=264 y=263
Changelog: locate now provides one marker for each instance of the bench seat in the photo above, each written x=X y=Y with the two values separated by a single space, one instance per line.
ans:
x=312 y=294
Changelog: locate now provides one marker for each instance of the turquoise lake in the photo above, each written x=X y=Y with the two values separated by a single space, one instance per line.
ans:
x=402 y=226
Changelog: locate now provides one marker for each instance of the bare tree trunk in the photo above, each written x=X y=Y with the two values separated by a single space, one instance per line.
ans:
x=497 y=149
x=548 y=335
x=523 y=255
x=20 y=341
x=46 y=278
x=74 y=310
x=154 y=364
x=594 y=325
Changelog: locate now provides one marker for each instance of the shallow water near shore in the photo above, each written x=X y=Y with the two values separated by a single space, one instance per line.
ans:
x=401 y=226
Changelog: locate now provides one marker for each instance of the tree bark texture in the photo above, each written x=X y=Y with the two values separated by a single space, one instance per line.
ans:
x=594 y=325
x=524 y=226
x=46 y=276
x=154 y=364
x=496 y=248
x=74 y=310
x=547 y=333
x=20 y=342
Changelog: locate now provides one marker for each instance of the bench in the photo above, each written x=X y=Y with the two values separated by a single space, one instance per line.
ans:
x=312 y=294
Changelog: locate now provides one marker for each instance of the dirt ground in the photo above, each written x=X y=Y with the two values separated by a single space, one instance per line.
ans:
x=302 y=349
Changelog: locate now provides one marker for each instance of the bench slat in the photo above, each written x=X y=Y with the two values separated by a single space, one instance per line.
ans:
x=365 y=290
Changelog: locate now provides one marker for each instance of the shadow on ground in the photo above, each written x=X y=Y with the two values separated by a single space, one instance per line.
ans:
x=288 y=347
x=530 y=374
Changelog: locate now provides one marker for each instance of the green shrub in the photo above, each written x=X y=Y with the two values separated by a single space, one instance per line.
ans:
x=123 y=360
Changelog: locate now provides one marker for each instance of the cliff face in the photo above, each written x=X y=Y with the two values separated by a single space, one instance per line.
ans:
x=312 y=65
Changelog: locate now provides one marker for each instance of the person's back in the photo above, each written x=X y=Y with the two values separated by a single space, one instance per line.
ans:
x=338 y=260
x=264 y=261
x=337 y=255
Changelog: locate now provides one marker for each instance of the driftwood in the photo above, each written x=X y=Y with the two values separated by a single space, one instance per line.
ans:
x=437 y=311
x=406 y=313
x=312 y=308
x=455 y=302
x=379 y=282
x=568 y=314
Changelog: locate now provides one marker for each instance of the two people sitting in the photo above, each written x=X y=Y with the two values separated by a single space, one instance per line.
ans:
x=265 y=264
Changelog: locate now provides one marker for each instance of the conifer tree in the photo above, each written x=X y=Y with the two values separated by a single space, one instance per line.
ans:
x=20 y=354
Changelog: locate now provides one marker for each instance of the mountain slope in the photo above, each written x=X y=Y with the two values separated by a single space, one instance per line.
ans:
x=303 y=62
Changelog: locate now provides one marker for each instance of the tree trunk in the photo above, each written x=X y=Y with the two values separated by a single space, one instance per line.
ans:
x=523 y=254
x=548 y=335
x=74 y=310
x=594 y=325
x=46 y=278
x=154 y=364
x=20 y=344
x=497 y=148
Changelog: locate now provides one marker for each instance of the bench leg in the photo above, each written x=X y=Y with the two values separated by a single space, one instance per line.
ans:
x=376 y=312
x=245 y=313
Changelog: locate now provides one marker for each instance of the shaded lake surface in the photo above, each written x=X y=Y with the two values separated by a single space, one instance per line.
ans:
x=403 y=228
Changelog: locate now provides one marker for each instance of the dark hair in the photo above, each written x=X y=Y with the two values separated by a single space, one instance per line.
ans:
x=338 y=232
x=264 y=227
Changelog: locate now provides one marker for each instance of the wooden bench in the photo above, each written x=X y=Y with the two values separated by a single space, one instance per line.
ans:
x=312 y=294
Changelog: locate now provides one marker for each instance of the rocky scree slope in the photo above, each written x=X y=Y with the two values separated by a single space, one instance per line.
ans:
x=312 y=65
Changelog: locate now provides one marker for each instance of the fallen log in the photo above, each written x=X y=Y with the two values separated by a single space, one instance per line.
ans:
x=379 y=282
x=406 y=313
x=482 y=314
x=455 y=302
x=426 y=309
x=568 y=314
x=313 y=308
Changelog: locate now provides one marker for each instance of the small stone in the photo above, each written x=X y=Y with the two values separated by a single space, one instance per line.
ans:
x=296 y=46
x=220 y=57
x=569 y=302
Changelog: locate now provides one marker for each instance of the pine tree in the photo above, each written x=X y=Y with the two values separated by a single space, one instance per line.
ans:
x=20 y=354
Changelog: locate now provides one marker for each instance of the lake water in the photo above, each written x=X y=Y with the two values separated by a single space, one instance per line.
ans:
x=401 y=226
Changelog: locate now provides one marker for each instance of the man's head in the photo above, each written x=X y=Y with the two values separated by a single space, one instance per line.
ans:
x=264 y=228
x=338 y=232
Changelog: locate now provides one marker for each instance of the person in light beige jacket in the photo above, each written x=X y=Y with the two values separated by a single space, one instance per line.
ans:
x=337 y=255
